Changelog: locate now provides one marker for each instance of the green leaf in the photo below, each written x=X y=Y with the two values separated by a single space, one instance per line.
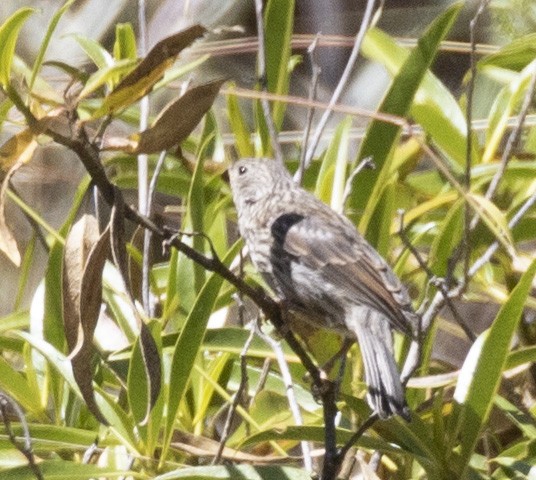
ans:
x=194 y=220
x=446 y=239
x=15 y=384
x=331 y=179
x=95 y=51
x=381 y=136
x=278 y=24
x=514 y=56
x=138 y=394
x=507 y=102
x=231 y=472
x=189 y=343
x=64 y=470
x=106 y=75
x=44 y=44
x=54 y=438
x=239 y=128
x=481 y=372
x=125 y=42
x=494 y=219
x=9 y=32
x=434 y=107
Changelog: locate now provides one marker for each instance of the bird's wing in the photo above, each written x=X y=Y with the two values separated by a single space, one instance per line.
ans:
x=347 y=261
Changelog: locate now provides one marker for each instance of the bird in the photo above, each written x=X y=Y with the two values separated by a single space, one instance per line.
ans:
x=321 y=268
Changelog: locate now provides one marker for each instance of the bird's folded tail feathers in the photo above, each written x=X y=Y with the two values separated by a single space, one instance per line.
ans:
x=385 y=391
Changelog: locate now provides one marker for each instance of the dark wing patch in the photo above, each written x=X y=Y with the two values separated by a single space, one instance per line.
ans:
x=349 y=263
x=282 y=225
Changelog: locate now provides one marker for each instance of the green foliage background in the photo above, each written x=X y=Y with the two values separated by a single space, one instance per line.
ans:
x=464 y=425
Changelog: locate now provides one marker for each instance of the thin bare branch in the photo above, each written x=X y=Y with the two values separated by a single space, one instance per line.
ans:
x=407 y=129
x=26 y=447
x=466 y=240
x=367 y=17
x=315 y=74
x=368 y=423
x=147 y=238
x=240 y=392
x=266 y=366
x=367 y=162
x=289 y=388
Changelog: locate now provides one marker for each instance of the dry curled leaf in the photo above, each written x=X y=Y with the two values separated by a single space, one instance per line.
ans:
x=142 y=79
x=17 y=151
x=84 y=257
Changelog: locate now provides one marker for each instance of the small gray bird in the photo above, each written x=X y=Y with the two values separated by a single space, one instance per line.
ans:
x=322 y=268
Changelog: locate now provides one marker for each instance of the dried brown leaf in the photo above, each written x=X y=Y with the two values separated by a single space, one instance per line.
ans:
x=17 y=151
x=142 y=79
x=178 y=119
x=84 y=258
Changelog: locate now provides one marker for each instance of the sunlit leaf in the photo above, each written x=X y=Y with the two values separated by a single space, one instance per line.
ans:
x=189 y=342
x=125 y=42
x=507 y=102
x=494 y=219
x=62 y=469
x=239 y=128
x=106 y=75
x=381 y=137
x=95 y=51
x=331 y=178
x=230 y=472
x=516 y=55
x=279 y=24
x=481 y=372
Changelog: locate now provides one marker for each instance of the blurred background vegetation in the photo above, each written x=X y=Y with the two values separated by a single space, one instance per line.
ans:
x=473 y=396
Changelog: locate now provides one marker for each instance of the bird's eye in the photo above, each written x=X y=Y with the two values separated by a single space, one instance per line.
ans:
x=242 y=170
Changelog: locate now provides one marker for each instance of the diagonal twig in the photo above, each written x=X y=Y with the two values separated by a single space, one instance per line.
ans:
x=367 y=17
x=26 y=447
x=315 y=74
x=242 y=389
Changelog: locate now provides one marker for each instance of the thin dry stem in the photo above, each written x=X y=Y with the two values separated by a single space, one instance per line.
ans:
x=367 y=17
x=240 y=392
x=291 y=396
x=26 y=447
x=147 y=238
x=315 y=74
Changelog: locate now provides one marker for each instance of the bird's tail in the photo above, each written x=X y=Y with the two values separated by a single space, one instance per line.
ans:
x=385 y=391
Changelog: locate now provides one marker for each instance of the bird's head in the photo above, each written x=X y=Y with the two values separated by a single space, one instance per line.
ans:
x=255 y=179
